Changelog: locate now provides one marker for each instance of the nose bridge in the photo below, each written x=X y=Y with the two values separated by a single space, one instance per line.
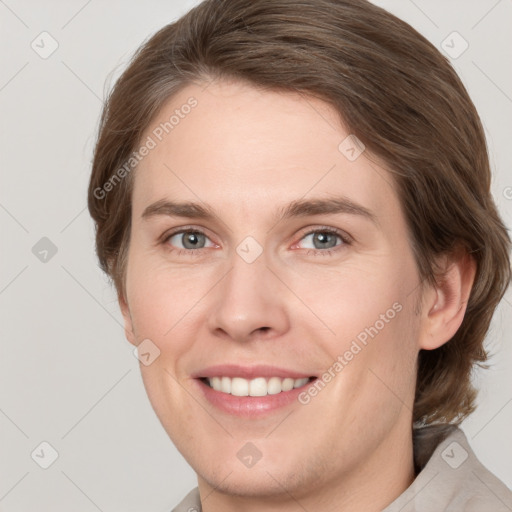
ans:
x=247 y=281
x=248 y=263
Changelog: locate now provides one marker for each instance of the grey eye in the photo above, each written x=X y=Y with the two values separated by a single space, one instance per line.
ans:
x=188 y=240
x=322 y=239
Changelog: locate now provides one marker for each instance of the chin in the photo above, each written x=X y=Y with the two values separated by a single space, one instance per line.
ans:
x=251 y=484
x=272 y=476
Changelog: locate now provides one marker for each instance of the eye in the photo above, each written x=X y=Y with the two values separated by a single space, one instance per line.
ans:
x=192 y=241
x=187 y=241
x=325 y=240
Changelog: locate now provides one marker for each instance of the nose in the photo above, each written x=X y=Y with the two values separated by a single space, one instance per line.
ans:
x=249 y=302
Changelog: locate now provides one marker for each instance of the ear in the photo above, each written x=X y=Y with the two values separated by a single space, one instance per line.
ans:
x=128 y=324
x=445 y=304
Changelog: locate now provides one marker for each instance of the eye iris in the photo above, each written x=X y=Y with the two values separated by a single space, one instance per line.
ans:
x=323 y=237
x=191 y=238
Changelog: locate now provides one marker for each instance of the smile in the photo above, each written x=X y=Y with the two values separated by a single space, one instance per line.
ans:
x=260 y=386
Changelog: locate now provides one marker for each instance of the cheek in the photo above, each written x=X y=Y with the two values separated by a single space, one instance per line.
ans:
x=366 y=313
x=384 y=371
x=161 y=298
x=353 y=297
x=168 y=307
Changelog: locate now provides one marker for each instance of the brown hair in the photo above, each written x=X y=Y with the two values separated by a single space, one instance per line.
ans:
x=392 y=89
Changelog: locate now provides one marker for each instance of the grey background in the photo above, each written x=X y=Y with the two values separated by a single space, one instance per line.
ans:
x=67 y=374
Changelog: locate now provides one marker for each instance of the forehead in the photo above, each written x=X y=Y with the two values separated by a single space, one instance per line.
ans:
x=239 y=149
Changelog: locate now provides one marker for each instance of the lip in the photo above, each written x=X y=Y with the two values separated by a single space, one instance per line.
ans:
x=250 y=406
x=249 y=372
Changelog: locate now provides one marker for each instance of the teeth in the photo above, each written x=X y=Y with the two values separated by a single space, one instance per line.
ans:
x=274 y=386
x=225 y=385
x=239 y=387
x=215 y=383
x=256 y=387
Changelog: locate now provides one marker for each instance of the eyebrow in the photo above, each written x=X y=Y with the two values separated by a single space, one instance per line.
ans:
x=297 y=208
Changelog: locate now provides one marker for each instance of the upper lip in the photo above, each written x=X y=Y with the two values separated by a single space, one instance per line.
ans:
x=249 y=372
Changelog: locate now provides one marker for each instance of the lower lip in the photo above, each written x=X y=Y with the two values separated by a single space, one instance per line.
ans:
x=250 y=406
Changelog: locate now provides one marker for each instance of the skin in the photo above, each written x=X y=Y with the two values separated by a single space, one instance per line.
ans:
x=247 y=152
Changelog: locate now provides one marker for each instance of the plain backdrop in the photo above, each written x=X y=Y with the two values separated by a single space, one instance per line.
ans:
x=68 y=377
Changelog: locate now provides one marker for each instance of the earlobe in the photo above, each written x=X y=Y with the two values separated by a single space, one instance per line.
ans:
x=448 y=301
x=128 y=324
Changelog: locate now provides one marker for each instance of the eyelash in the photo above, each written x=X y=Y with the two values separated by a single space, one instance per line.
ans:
x=316 y=252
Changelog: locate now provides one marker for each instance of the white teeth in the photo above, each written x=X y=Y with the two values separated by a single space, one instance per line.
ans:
x=225 y=385
x=287 y=384
x=274 y=386
x=259 y=386
x=215 y=383
x=239 y=387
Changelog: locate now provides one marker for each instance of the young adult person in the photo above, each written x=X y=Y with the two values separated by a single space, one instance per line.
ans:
x=293 y=201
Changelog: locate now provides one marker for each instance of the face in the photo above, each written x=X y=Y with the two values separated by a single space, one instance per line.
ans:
x=290 y=288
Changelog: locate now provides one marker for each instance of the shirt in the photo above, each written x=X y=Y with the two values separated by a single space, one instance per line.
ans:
x=449 y=478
